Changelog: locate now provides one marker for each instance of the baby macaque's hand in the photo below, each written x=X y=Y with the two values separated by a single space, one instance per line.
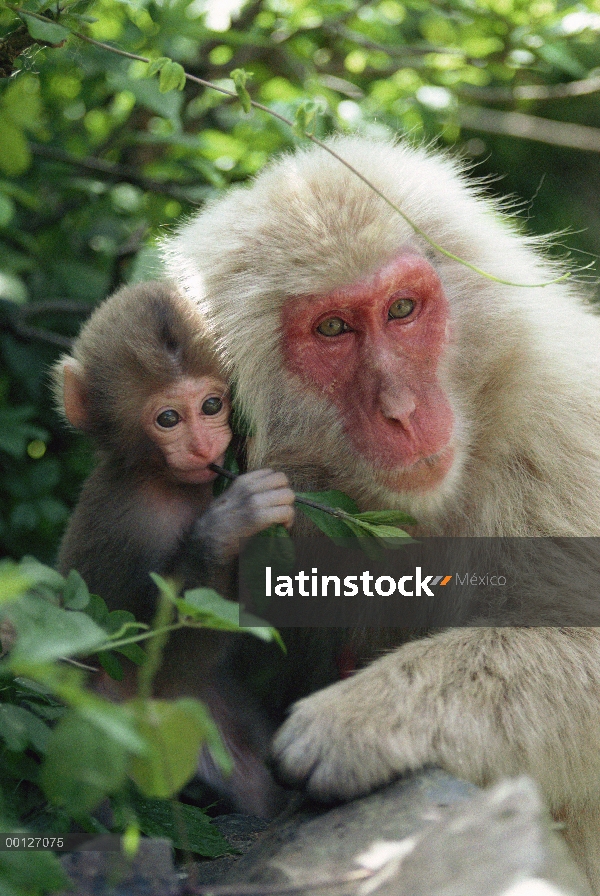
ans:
x=254 y=502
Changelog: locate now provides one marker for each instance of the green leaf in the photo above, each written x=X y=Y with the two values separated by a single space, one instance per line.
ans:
x=7 y=210
x=41 y=575
x=205 y=604
x=187 y=827
x=156 y=65
x=332 y=526
x=81 y=768
x=559 y=56
x=215 y=612
x=48 y=32
x=174 y=731
x=165 y=586
x=392 y=535
x=31 y=873
x=75 y=594
x=256 y=626
x=66 y=683
x=97 y=610
x=46 y=632
x=134 y=653
x=13 y=582
x=172 y=77
x=305 y=119
x=110 y=664
x=19 y=727
x=239 y=77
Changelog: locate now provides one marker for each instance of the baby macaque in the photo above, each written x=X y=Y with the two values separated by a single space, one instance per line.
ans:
x=145 y=383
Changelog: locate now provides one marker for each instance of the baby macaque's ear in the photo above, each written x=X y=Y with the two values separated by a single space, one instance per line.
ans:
x=74 y=393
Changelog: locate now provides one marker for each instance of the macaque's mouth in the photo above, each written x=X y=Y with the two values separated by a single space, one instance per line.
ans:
x=422 y=476
x=195 y=475
x=199 y=474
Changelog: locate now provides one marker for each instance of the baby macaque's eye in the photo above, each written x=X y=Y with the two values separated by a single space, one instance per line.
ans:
x=212 y=406
x=167 y=419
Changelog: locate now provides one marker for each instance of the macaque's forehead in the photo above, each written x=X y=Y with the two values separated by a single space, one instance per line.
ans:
x=320 y=234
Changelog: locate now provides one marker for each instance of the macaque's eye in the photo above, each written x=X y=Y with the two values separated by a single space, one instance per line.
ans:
x=333 y=326
x=212 y=406
x=167 y=419
x=400 y=308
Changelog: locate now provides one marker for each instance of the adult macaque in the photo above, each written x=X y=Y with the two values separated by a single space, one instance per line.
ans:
x=144 y=382
x=370 y=362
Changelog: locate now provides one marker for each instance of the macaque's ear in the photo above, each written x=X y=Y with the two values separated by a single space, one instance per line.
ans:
x=74 y=394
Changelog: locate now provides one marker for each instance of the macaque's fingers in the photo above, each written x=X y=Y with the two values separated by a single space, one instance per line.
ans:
x=264 y=480
x=275 y=497
x=272 y=515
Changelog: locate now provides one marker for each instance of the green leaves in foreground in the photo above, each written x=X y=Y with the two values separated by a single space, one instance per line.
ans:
x=174 y=732
x=63 y=747
x=186 y=826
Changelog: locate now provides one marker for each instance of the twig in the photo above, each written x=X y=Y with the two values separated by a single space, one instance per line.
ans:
x=51 y=306
x=41 y=335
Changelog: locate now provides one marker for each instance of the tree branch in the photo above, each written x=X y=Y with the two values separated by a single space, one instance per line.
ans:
x=60 y=306
x=111 y=171
x=531 y=127
x=533 y=91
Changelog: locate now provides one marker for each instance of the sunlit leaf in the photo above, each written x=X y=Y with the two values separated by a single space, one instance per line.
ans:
x=172 y=77
x=156 y=65
x=239 y=77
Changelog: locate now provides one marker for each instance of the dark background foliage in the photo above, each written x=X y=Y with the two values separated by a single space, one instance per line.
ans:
x=96 y=163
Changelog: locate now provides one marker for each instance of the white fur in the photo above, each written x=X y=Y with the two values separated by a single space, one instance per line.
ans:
x=523 y=373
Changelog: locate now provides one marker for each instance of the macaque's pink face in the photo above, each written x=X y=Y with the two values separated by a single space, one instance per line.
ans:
x=189 y=421
x=375 y=348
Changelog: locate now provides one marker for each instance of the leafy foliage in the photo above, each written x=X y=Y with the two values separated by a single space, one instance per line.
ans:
x=64 y=749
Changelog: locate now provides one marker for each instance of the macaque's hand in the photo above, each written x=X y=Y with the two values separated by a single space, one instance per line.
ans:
x=254 y=502
x=457 y=700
